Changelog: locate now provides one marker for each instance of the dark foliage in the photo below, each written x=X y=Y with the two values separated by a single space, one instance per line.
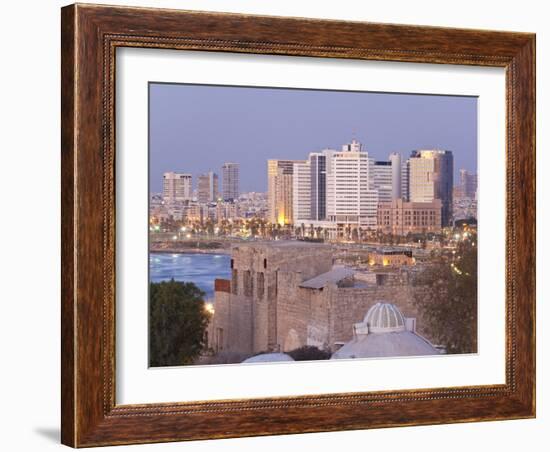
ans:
x=308 y=353
x=448 y=306
x=177 y=323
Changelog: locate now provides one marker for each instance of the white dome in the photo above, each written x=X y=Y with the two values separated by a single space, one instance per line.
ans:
x=404 y=343
x=384 y=318
x=268 y=358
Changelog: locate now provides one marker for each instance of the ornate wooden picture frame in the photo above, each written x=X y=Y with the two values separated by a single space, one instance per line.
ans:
x=90 y=37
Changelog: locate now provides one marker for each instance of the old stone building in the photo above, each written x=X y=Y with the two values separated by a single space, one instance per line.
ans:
x=401 y=218
x=391 y=257
x=285 y=295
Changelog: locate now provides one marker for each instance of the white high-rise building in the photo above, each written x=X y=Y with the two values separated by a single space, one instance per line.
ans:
x=354 y=146
x=397 y=176
x=382 y=179
x=310 y=187
x=301 y=192
x=176 y=187
x=230 y=181
x=351 y=198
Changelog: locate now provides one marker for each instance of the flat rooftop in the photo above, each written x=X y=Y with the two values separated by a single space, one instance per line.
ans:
x=333 y=276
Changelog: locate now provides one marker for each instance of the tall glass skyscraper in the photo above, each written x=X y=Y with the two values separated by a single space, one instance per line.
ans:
x=230 y=181
x=318 y=171
x=207 y=187
x=280 y=191
x=431 y=177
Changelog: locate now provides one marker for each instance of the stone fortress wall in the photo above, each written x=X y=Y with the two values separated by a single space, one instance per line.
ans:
x=263 y=308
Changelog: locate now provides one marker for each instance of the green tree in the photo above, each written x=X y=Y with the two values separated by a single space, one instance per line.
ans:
x=177 y=323
x=448 y=300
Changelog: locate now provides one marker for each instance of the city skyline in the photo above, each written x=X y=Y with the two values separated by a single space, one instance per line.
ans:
x=220 y=126
x=344 y=225
x=348 y=189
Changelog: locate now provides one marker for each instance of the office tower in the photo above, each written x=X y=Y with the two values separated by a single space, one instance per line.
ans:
x=280 y=190
x=208 y=187
x=468 y=184
x=230 y=181
x=390 y=178
x=396 y=176
x=301 y=192
x=405 y=176
x=318 y=188
x=431 y=177
x=176 y=187
x=350 y=196
x=382 y=179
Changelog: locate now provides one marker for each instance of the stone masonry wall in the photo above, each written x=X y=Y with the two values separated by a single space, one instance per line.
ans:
x=233 y=315
x=266 y=310
x=258 y=269
x=325 y=317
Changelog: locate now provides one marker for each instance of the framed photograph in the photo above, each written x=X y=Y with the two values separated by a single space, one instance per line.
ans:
x=281 y=225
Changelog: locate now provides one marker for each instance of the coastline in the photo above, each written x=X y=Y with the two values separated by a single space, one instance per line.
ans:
x=189 y=251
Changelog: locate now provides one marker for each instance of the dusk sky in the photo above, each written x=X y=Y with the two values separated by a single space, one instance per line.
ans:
x=195 y=128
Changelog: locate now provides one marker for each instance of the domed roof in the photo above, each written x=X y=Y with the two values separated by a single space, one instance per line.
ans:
x=398 y=341
x=404 y=343
x=384 y=318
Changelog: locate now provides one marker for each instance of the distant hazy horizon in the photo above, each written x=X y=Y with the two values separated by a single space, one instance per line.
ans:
x=196 y=128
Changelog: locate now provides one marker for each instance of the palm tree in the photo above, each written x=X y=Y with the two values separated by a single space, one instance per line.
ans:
x=318 y=231
x=348 y=231
x=254 y=229
x=209 y=226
